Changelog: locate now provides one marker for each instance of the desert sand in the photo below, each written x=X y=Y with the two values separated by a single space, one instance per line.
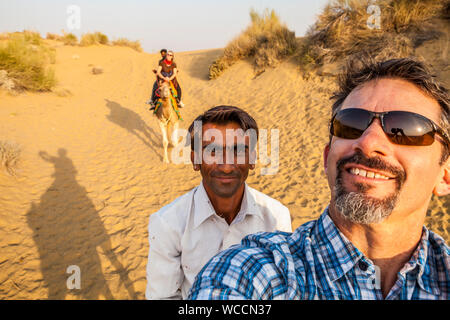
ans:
x=91 y=170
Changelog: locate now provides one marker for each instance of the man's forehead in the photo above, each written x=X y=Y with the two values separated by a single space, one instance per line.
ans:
x=393 y=94
x=228 y=128
x=213 y=131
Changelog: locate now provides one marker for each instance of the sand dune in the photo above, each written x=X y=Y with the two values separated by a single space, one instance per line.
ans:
x=92 y=172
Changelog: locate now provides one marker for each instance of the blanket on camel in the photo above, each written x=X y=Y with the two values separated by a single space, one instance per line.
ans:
x=172 y=99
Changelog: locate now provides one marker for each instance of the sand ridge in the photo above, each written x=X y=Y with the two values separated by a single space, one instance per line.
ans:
x=92 y=172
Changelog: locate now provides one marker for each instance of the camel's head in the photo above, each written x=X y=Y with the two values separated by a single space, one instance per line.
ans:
x=165 y=90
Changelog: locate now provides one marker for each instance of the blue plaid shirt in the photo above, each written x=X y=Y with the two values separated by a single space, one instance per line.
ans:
x=318 y=262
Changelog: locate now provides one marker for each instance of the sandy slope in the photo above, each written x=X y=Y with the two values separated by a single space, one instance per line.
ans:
x=92 y=171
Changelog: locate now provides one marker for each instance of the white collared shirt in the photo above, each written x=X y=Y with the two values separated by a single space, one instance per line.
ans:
x=187 y=233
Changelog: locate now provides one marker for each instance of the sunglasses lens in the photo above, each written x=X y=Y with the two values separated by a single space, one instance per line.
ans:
x=407 y=128
x=350 y=123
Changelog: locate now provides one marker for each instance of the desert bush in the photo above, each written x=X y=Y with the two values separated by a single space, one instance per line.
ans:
x=26 y=59
x=123 y=42
x=342 y=31
x=52 y=36
x=266 y=40
x=32 y=37
x=90 y=39
x=9 y=156
x=69 y=39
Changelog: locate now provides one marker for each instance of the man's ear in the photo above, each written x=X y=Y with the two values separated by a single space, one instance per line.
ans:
x=195 y=166
x=326 y=151
x=443 y=186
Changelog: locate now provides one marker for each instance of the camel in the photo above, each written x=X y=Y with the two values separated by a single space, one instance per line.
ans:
x=167 y=117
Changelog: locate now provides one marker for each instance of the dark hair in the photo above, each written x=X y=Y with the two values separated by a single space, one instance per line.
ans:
x=365 y=69
x=224 y=115
x=163 y=50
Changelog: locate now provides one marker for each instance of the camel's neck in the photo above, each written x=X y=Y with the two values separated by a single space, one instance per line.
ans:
x=166 y=107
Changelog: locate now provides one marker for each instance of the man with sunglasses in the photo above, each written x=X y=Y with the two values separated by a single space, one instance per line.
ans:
x=388 y=153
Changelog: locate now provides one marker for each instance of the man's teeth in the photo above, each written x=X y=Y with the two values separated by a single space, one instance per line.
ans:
x=367 y=174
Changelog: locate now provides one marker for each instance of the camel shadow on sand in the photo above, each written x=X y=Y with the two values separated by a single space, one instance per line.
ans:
x=133 y=123
x=68 y=230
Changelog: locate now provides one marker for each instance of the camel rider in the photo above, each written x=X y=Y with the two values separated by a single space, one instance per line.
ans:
x=152 y=100
x=167 y=71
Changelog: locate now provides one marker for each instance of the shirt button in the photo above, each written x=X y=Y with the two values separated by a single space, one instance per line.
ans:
x=362 y=265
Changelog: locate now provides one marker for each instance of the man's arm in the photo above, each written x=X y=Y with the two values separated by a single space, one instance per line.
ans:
x=158 y=72
x=175 y=72
x=164 y=273
x=261 y=268
x=218 y=280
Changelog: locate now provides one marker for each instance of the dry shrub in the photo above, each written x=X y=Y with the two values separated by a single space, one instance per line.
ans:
x=69 y=39
x=267 y=40
x=123 y=42
x=9 y=156
x=342 y=31
x=32 y=37
x=25 y=58
x=95 y=38
x=52 y=36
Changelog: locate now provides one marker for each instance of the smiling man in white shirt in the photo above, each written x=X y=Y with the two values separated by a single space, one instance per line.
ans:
x=218 y=213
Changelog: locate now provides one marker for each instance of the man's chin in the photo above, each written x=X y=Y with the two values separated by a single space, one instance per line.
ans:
x=362 y=208
x=225 y=191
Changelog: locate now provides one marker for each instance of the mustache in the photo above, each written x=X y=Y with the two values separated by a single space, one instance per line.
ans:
x=373 y=163
x=232 y=174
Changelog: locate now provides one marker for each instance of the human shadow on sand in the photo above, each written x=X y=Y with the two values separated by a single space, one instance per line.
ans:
x=133 y=123
x=68 y=230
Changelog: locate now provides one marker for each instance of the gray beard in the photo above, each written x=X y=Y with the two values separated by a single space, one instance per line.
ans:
x=359 y=208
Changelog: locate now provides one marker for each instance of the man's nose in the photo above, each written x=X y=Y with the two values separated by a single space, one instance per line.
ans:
x=373 y=141
x=228 y=162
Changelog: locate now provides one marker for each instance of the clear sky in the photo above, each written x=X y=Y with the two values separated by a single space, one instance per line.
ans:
x=180 y=25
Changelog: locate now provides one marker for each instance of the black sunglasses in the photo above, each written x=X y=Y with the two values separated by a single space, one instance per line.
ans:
x=401 y=127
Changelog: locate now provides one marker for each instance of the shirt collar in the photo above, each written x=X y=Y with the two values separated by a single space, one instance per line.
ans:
x=203 y=209
x=335 y=248
x=426 y=269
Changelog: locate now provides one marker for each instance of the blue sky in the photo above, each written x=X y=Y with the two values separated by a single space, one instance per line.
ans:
x=177 y=25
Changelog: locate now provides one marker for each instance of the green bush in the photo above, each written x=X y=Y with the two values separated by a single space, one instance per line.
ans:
x=26 y=59
x=266 y=40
